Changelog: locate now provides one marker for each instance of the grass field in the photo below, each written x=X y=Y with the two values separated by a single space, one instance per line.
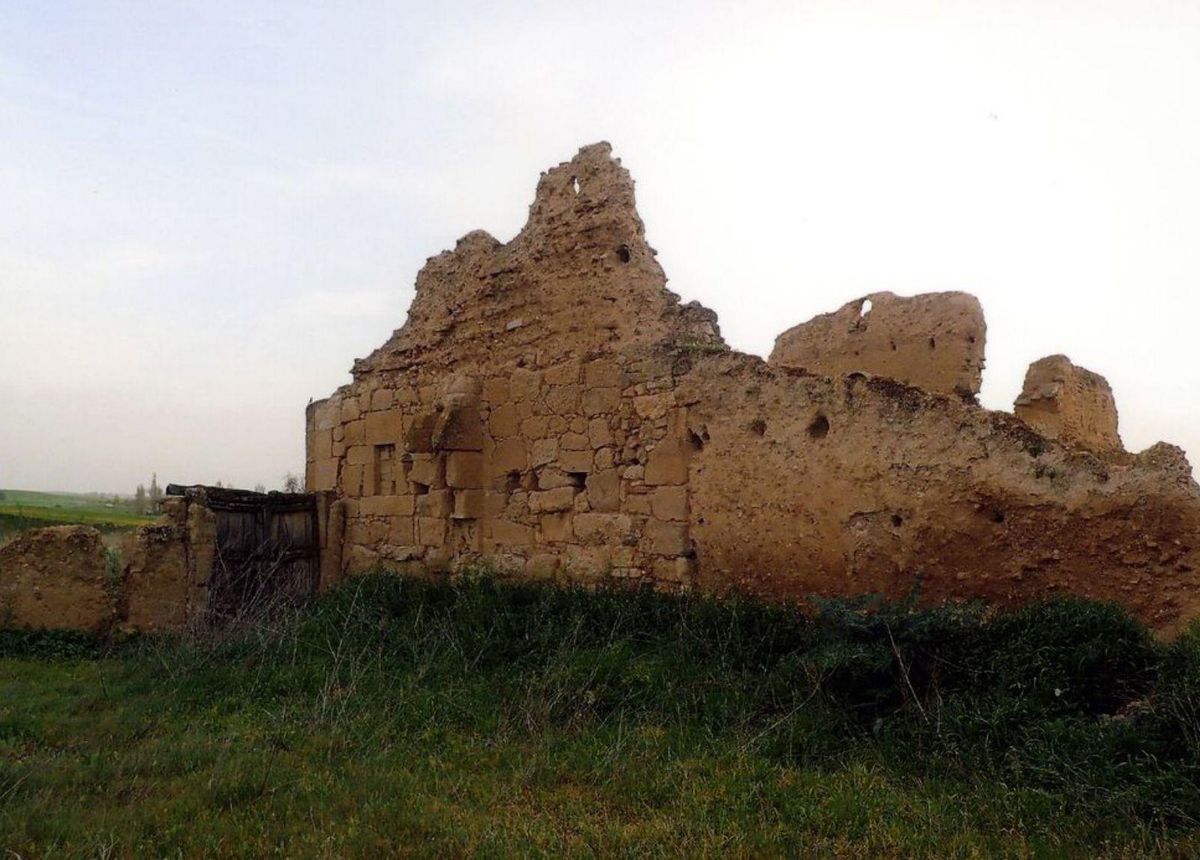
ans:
x=403 y=717
x=25 y=509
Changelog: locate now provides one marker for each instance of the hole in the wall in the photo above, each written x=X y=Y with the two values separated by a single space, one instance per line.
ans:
x=758 y=427
x=997 y=516
x=577 y=479
x=897 y=521
x=932 y=343
x=970 y=338
x=893 y=344
x=575 y=184
x=420 y=489
x=695 y=440
x=512 y=481
x=819 y=428
x=865 y=308
x=623 y=253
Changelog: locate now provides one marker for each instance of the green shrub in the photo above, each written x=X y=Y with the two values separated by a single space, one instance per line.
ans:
x=49 y=644
x=1070 y=656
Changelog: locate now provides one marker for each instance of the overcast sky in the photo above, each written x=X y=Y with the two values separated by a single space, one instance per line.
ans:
x=209 y=209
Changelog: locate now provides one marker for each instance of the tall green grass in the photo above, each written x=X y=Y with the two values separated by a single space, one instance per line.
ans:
x=415 y=716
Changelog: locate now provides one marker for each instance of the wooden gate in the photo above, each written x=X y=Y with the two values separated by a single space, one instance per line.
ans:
x=267 y=551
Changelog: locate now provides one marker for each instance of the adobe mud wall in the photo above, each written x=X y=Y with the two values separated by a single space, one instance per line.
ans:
x=168 y=565
x=61 y=577
x=552 y=407
x=934 y=341
x=1071 y=403
x=57 y=578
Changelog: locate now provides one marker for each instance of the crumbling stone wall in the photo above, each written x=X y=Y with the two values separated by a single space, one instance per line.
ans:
x=1064 y=401
x=934 y=341
x=220 y=557
x=550 y=406
x=526 y=411
x=57 y=578
x=62 y=578
x=167 y=567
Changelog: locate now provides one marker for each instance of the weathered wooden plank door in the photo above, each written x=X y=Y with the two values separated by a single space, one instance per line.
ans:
x=267 y=555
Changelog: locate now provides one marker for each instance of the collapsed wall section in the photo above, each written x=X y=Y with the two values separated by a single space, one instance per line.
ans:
x=168 y=567
x=934 y=341
x=62 y=577
x=57 y=578
x=1071 y=403
x=215 y=557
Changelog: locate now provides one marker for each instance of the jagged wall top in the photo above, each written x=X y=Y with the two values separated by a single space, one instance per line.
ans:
x=1065 y=401
x=578 y=279
x=934 y=341
x=532 y=411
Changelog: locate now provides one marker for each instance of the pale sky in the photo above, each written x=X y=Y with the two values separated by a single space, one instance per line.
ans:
x=209 y=209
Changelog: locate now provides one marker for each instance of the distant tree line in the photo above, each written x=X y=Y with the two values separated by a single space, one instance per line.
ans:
x=148 y=501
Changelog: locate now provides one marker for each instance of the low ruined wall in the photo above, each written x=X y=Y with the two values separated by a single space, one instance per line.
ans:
x=61 y=577
x=549 y=406
x=935 y=341
x=167 y=567
x=57 y=578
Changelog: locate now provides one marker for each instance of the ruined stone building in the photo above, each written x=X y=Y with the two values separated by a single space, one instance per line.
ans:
x=551 y=407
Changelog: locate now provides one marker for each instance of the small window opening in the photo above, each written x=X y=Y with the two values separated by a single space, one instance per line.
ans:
x=865 y=308
x=577 y=479
x=695 y=440
x=819 y=428
x=575 y=184
x=758 y=427
x=897 y=521
x=623 y=253
x=385 y=470
x=420 y=489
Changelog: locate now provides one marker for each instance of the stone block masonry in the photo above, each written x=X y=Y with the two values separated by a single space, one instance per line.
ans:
x=549 y=405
